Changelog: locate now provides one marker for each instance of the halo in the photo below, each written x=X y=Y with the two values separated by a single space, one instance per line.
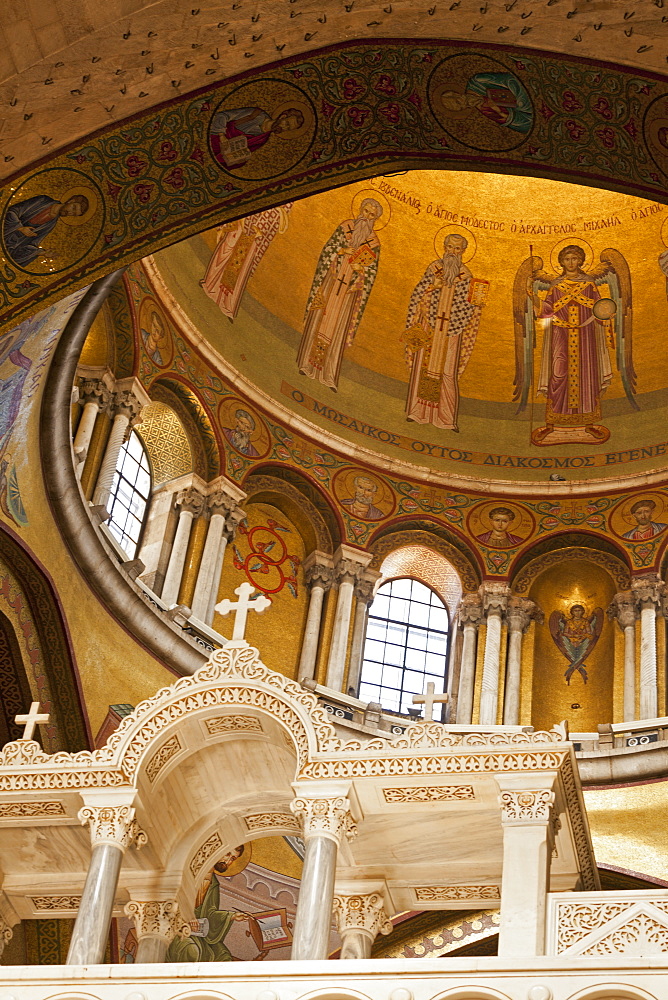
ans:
x=238 y=864
x=307 y=114
x=79 y=220
x=664 y=232
x=449 y=87
x=451 y=230
x=356 y=204
x=624 y=509
x=571 y=241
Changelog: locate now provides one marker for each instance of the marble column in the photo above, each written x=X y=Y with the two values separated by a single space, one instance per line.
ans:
x=364 y=589
x=360 y=917
x=494 y=603
x=156 y=922
x=520 y=614
x=190 y=504
x=349 y=566
x=318 y=573
x=470 y=616
x=529 y=830
x=126 y=407
x=96 y=397
x=325 y=821
x=624 y=609
x=112 y=829
x=225 y=515
x=648 y=591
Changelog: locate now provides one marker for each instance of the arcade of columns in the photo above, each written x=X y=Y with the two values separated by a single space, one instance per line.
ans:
x=208 y=517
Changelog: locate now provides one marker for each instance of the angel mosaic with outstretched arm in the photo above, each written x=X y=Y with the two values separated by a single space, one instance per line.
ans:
x=585 y=316
x=576 y=636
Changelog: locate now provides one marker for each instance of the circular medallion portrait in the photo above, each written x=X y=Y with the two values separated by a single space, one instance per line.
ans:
x=479 y=102
x=262 y=129
x=500 y=525
x=243 y=429
x=52 y=221
x=363 y=495
x=640 y=518
x=156 y=334
x=655 y=129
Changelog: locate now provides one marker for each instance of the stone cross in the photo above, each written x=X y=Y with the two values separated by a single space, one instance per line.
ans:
x=30 y=720
x=242 y=607
x=429 y=699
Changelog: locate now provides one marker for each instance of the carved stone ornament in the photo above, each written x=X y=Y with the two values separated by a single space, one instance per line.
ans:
x=156 y=918
x=225 y=505
x=348 y=571
x=94 y=390
x=325 y=817
x=521 y=613
x=526 y=807
x=648 y=590
x=470 y=610
x=494 y=598
x=114 y=825
x=364 y=590
x=449 y=893
x=191 y=500
x=319 y=575
x=128 y=404
x=6 y=934
x=635 y=927
x=624 y=607
x=362 y=912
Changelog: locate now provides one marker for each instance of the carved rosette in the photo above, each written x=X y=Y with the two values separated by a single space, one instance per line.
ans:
x=624 y=608
x=115 y=825
x=362 y=912
x=155 y=918
x=191 y=500
x=325 y=818
x=529 y=808
x=94 y=390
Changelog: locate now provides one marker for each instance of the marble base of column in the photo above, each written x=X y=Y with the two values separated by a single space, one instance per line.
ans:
x=91 y=928
x=356 y=944
x=314 y=908
x=151 y=948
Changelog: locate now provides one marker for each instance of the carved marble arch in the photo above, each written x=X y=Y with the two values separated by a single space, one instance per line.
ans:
x=574 y=545
x=433 y=537
x=303 y=486
x=303 y=514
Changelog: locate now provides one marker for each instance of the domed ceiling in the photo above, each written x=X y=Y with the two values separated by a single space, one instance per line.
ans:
x=493 y=326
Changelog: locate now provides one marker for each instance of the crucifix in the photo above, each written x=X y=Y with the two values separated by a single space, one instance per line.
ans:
x=429 y=699
x=242 y=607
x=30 y=720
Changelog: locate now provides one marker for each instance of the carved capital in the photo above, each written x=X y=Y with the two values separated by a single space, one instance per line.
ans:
x=364 y=588
x=348 y=571
x=624 y=608
x=6 y=934
x=470 y=610
x=362 y=912
x=521 y=613
x=318 y=570
x=526 y=807
x=114 y=825
x=191 y=500
x=494 y=598
x=127 y=403
x=95 y=390
x=648 y=590
x=325 y=817
x=157 y=919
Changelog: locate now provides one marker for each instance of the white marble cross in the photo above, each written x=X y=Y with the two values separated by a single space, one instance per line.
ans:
x=242 y=607
x=429 y=699
x=30 y=720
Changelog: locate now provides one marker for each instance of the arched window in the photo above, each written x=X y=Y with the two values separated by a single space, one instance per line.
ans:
x=406 y=644
x=130 y=493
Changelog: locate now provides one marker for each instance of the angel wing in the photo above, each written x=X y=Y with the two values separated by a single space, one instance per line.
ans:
x=529 y=279
x=556 y=618
x=596 y=622
x=614 y=271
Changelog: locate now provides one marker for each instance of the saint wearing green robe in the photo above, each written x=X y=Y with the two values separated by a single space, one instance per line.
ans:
x=209 y=947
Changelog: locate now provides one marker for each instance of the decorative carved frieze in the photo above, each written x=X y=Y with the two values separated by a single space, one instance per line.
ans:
x=161 y=757
x=31 y=810
x=46 y=904
x=233 y=724
x=429 y=793
x=115 y=825
x=271 y=821
x=445 y=893
x=600 y=928
x=157 y=918
x=210 y=846
x=361 y=912
x=527 y=806
x=325 y=817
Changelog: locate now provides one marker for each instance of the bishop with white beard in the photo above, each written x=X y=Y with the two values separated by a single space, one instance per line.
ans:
x=441 y=329
x=343 y=280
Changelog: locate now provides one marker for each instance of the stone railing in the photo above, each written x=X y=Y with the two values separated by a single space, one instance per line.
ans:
x=620 y=735
x=591 y=925
x=482 y=978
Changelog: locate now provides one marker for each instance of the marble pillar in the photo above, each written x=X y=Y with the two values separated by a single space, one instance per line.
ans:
x=225 y=515
x=529 y=830
x=112 y=829
x=318 y=574
x=95 y=397
x=648 y=591
x=190 y=504
x=360 y=916
x=520 y=614
x=469 y=616
x=349 y=566
x=156 y=922
x=126 y=407
x=494 y=603
x=325 y=821
x=624 y=608
x=364 y=589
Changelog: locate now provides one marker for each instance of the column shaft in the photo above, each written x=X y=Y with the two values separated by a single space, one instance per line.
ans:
x=170 y=588
x=206 y=581
x=629 y=673
x=356 y=943
x=107 y=471
x=357 y=646
x=151 y=948
x=91 y=928
x=217 y=573
x=526 y=865
x=511 y=703
x=467 y=675
x=337 y=654
x=490 y=671
x=648 y=667
x=85 y=432
x=309 y=653
x=316 y=895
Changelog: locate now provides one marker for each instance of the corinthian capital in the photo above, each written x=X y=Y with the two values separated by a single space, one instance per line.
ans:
x=361 y=912
x=648 y=589
x=325 y=817
x=365 y=586
x=156 y=918
x=470 y=610
x=114 y=825
x=318 y=570
x=494 y=598
x=191 y=500
x=95 y=390
x=350 y=564
x=128 y=403
x=624 y=607
x=521 y=612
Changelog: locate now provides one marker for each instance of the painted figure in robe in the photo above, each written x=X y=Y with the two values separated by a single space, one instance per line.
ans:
x=29 y=222
x=236 y=134
x=343 y=280
x=646 y=527
x=441 y=329
x=498 y=96
x=576 y=636
x=580 y=328
x=240 y=248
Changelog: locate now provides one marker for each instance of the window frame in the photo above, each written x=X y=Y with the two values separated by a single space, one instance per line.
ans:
x=119 y=477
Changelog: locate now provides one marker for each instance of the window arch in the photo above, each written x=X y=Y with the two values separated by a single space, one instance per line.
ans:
x=130 y=492
x=406 y=644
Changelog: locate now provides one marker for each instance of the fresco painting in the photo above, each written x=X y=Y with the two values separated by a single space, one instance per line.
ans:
x=575 y=634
